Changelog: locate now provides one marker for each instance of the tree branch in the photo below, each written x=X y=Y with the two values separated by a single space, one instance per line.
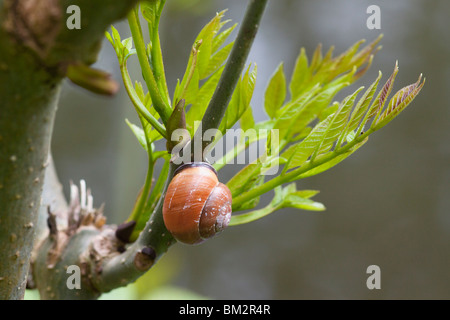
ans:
x=36 y=48
x=232 y=71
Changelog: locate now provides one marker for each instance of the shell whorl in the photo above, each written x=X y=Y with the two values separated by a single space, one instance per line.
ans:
x=197 y=206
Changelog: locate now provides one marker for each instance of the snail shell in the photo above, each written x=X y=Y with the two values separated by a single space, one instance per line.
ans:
x=197 y=206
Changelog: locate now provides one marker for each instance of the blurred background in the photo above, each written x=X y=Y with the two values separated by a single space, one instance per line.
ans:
x=388 y=204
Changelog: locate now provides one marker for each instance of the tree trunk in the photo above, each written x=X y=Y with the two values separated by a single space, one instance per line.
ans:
x=36 y=48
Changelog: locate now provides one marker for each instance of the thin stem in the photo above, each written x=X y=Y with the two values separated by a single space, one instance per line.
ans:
x=156 y=56
x=140 y=204
x=233 y=69
x=252 y=215
x=161 y=107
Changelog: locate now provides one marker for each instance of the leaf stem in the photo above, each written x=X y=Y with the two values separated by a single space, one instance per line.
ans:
x=140 y=203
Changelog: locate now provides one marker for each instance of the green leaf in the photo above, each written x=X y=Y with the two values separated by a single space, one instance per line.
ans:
x=287 y=120
x=275 y=92
x=249 y=81
x=191 y=69
x=128 y=43
x=316 y=60
x=140 y=91
x=365 y=54
x=244 y=178
x=201 y=100
x=331 y=163
x=240 y=100
x=207 y=35
x=247 y=121
x=361 y=108
x=339 y=122
x=378 y=104
x=139 y=134
x=149 y=11
x=255 y=201
x=283 y=198
x=306 y=148
x=295 y=200
x=220 y=38
x=300 y=74
x=218 y=59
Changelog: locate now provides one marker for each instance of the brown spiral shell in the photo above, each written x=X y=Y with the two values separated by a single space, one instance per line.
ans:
x=196 y=206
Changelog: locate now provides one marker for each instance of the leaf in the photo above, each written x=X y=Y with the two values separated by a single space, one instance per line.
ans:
x=299 y=75
x=399 y=102
x=240 y=100
x=114 y=39
x=316 y=59
x=306 y=148
x=244 y=178
x=378 y=104
x=220 y=38
x=250 y=80
x=255 y=201
x=295 y=200
x=283 y=198
x=191 y=69
x=339 y=122
x=140 y=92
x=139 y=134
x=361 y=108
x=206 y=35
x=206 y=62
x=287 y=119
x=247 y=121
x=332 y=162
x=365 y=54
x=218 y=60
x=127 y=43
x=275 y=92
x=148 y=10
x=201 y=100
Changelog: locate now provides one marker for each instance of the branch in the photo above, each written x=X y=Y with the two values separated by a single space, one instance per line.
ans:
x=36 y=49
x=232 y=71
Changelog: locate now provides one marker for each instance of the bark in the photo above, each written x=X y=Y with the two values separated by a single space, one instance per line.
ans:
x=36 y=49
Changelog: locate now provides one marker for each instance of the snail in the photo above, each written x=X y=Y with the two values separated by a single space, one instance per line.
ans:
x=196 y=206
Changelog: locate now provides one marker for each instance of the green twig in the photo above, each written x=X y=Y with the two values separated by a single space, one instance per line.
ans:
x=233 y=69
x=142 y=199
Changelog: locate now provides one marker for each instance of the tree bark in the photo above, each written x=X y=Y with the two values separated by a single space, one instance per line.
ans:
x=36 y=48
